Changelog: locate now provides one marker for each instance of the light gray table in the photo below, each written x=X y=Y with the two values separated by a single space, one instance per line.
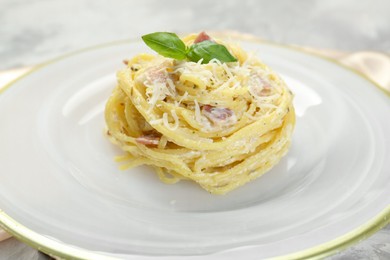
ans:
x=33 y=31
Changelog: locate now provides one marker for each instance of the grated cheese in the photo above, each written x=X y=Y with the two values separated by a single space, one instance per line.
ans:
x=198 y=116
x=185 y=95
x=156 y=121
x=175 y=118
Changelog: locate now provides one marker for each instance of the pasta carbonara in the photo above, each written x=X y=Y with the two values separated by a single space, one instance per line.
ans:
x=218 y=124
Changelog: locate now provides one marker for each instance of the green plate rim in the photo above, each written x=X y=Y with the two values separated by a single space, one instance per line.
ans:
x=63 y=251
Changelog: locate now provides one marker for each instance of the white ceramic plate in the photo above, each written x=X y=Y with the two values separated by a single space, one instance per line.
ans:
x=61 y=191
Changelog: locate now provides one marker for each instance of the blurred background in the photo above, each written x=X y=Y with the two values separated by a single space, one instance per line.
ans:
x=33 y=31
x=36 y=30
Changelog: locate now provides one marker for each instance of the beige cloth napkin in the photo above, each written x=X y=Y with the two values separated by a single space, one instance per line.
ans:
x=374 y=65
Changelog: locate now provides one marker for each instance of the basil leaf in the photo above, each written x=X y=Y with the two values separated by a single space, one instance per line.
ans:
x=208 y=50
x=166 y=44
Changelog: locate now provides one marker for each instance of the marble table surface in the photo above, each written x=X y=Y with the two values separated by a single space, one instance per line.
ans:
x=32 y=31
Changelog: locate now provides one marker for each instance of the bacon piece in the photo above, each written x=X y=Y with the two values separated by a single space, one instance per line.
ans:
x=266 y=91
x=202 y=37
x=161 y=77
x=148 y=140
x=259 y=86
x=157 y=75
x=216 y=114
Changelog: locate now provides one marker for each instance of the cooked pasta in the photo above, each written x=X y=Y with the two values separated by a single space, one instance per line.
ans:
x=218 y=124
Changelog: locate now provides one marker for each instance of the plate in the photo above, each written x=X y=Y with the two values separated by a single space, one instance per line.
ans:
x=62 y=192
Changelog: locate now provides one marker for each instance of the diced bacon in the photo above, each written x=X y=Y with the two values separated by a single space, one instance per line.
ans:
x=202 y=37
x=149 y=140
x=126 y=62
x=266 y=91
x=157 y=75
x=217 y=114
x=259 y=86
x=158 y=82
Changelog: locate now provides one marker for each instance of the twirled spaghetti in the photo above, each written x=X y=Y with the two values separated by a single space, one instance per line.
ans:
x=218 y=124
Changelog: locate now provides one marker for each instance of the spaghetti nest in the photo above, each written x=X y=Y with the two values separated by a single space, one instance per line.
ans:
x=218 y=124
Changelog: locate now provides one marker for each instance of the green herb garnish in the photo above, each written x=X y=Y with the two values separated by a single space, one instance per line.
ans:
x=208 y=50
x=171 y=46
x=167 y=44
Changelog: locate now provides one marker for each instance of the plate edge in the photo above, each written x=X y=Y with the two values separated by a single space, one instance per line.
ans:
x=64 y=251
